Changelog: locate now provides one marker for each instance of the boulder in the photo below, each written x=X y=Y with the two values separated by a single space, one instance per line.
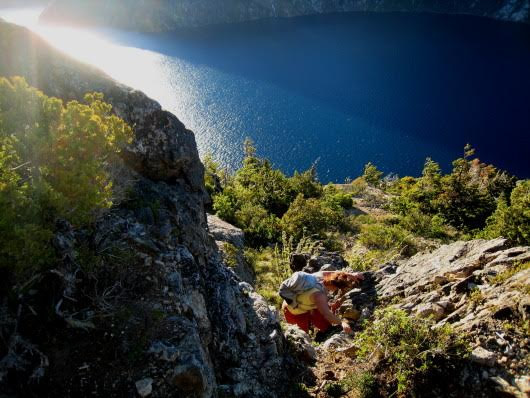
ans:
x=455 y=285
x=297 y=261
x=225 y=232
x=483 y=357
x=230 y=241
x=331 y=260
x=144 y=387
x=339 y=341
x=300 y=344
x=430 y=310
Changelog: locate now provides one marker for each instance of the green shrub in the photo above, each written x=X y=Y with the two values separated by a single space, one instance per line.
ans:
x=511 y=271
x=271 y=265
x=259 y=226
x=306 y=183
x=423 y=224
x=407 y=348
x=368 y=261
x=463 y=199
x=53 y=164
x=310 y=217
x=336 y=198
x=214 y=175
x=511 y=221
x=469 y=193
x=258 y=195
x=230 y=254
x=225 y=205
x=476 y=297
x=334 y=390
x=372 y=175
x=364 y=383
x=383 y=237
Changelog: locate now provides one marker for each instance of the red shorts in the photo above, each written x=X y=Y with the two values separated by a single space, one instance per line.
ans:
x=306 y=320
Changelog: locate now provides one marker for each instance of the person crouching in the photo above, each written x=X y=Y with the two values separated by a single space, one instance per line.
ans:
x=306 y=298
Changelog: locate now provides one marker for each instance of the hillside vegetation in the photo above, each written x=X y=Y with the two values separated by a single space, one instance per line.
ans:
x=54 y=164
x=474 y=200
x=406 y=339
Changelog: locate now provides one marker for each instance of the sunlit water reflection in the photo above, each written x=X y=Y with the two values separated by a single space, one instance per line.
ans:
x=383 y=99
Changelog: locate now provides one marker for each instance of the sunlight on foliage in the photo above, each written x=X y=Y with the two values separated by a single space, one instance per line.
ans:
x=272 y=265
x=407 y=348
x=511 y=221
x=53 y=160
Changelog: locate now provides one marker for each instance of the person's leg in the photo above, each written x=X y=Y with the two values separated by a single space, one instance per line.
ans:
x=302 y=320
x=318 y=320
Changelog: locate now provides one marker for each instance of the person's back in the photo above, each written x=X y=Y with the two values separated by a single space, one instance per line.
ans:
x=306 y=302
x=297 y=284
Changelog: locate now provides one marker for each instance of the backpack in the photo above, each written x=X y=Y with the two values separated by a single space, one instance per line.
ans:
x=296 y=284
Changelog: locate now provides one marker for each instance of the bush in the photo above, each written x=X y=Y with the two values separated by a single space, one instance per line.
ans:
x=382 y=237
x=364 y=383
x=53 y=164
x=258 y=225
x=424 y=225
x=463 y=199
x=336 y=198
x=306 y=183
x=258 y=195
x=408 y=348
x=511 y=221
x=213 y=175
x=372 y=175
x=309 y=217
x=225 y=205
x=271 y=265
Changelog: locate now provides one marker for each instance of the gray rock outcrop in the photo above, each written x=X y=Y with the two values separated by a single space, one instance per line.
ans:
x=161 y=316
x=173 y=14
x=480 y=287
x=230 y=241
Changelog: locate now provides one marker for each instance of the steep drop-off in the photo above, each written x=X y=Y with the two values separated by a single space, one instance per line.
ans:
x=171 y=319
x=168 y=15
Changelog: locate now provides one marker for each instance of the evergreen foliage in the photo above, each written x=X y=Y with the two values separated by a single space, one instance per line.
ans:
x=264 y=202
x=372 y=175
x=511 y=221
x=53 y=161
x=463 y=199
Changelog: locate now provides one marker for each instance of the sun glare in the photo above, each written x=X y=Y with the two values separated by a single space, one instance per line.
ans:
x=122 y=63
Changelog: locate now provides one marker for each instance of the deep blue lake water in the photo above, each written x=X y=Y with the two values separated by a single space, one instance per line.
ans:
x=350 y=88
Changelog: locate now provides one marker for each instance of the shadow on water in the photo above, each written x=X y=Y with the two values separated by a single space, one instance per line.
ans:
x=445 y=80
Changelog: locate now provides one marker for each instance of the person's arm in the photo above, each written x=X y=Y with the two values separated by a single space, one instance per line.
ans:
x=321 y=301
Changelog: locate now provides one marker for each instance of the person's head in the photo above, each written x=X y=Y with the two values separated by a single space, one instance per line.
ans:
x=338 y=281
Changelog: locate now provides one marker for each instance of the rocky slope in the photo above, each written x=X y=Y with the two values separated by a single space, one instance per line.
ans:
x=173 y=14
x=161 y=314
x=480 y=287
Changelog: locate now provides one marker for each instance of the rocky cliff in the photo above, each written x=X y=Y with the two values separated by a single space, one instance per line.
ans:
x=157 y=313
x=172 y=14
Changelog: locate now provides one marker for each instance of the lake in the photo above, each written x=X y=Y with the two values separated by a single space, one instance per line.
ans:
x=339 y=90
